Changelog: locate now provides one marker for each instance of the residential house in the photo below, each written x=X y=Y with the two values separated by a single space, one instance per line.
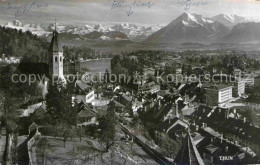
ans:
x=86 y=117
x=84 y=93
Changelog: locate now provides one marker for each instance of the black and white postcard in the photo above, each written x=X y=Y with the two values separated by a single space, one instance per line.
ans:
x=129 y=82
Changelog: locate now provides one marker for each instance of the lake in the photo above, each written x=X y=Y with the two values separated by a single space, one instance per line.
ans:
x=96 y=65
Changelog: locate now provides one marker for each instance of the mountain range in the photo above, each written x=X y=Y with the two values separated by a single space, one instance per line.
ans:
x=230 y=20
x=120 y=31
x=193 y=28
x=187 y=28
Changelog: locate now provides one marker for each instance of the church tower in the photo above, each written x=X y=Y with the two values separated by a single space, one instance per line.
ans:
x=55 y=60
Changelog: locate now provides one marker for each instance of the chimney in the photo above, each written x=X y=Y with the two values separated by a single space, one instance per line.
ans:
x=197 y=127
x=235 y=111
x=226 y=149
x=236 y=142
x=244 y=120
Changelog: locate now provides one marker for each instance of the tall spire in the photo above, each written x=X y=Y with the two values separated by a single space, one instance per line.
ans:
x=54 y=46
x=55 y=25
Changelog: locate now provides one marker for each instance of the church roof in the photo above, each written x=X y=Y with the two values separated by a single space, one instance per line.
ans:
x=54 y=46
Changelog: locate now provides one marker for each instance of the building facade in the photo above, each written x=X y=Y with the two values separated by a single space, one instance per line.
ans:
x=224 y=94
x=239 y=89
x=217 y=94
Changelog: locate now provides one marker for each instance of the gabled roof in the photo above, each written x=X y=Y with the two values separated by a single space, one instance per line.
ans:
x=41 y=108
x=187 y=111
x=118 y=104
x=202 y=111
x=85 y=113
x=163 y=111
x=178 y=122
x=83 y=86
x=166 y=124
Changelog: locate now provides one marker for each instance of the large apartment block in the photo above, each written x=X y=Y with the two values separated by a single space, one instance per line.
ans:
x=217 y=94
x=239 y=88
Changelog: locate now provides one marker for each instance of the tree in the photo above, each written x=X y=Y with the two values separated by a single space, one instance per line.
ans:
x=107 y=125
x=6 y=73
x=189 y=70
x=62 y=114
x=65 y=131
x=59 y=105
x=52 y=104
x=43 y=146
x=80 y=132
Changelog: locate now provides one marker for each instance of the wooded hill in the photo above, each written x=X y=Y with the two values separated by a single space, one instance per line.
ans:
x=15 y=43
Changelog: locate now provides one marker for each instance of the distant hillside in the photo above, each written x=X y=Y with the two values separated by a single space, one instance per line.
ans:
x=16 y=43
x=229 y=20
x=244 y=32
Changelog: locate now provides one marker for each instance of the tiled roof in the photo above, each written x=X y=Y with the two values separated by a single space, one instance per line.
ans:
x=83 y=86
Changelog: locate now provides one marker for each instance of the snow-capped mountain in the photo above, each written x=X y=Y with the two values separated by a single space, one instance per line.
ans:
x=98 y=31
x=229 y=20
x=35 y=29
x=190 y=28
x=136 y=32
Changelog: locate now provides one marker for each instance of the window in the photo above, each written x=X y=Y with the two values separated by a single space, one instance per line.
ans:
x=56 y=59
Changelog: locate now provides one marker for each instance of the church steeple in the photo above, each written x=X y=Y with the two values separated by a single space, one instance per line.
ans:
x=55 y=56
x=55 y=26
x=54 y=46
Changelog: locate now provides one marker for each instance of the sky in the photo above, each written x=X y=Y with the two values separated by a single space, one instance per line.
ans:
x=148 y=12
